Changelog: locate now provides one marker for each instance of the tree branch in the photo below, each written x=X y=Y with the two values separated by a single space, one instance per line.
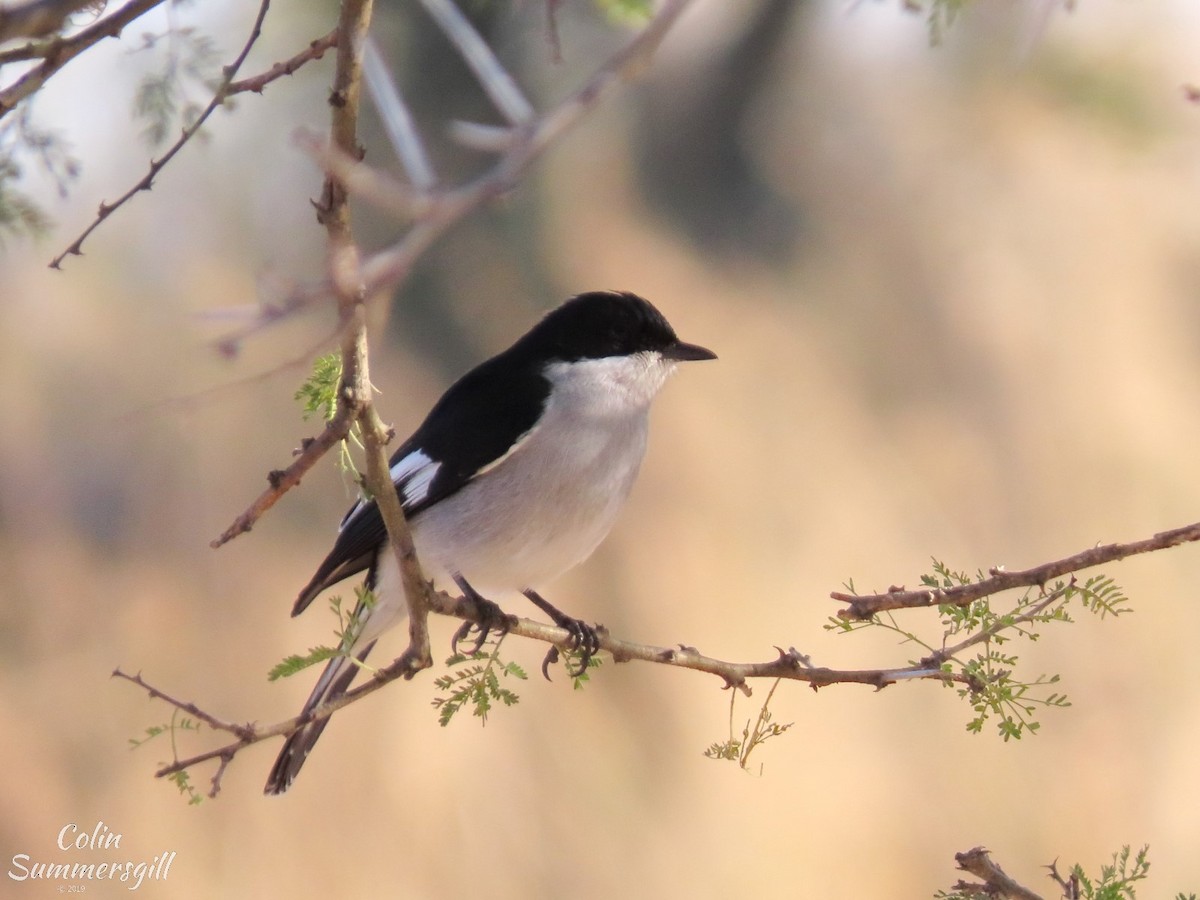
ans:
x=787 y=664
x=438 y=211
x=156 y=165
x=282 y=480
x=1002 y=624
x=862 y=607
x=389 y=266
x=355 y=393
x=995 y=882
x=498 y=84
x=255 y=84
x=37 y=17
x=57 y=52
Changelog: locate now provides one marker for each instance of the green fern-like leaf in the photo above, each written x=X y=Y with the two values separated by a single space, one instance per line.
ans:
x=290 y=665
x=183 y=782
x=178 y=723
x=318 y=394
x=1103 y=596
x=478 y=686
x=153 y=731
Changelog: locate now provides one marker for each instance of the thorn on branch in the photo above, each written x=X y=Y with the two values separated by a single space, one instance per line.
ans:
x=977 y=862
x=275 y=477
x=793 y=658
x=737 y=682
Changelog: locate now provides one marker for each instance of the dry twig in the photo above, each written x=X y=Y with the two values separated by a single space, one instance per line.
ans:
x=864 y=606
x=995 y=882
x=156 y=165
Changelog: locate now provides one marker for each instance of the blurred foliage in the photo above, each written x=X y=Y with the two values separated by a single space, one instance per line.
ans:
x=940 y=14
x=178 y=723
x=161 y=101
x=625 y=10
x=21 y=139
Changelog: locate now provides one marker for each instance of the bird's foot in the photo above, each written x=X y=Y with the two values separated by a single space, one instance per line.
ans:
x=489 y=619
x=584 y=639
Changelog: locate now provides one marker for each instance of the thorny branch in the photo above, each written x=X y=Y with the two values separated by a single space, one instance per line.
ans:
x=156 y=165
x=788 y=664
x=355 y=389
x=58 y=51
x=862 y=607
x=996 y=883
x=257 y=83
x=37 y=17
x=435 y=212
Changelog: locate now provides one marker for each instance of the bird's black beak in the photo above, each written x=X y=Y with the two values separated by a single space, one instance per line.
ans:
x=682 y=352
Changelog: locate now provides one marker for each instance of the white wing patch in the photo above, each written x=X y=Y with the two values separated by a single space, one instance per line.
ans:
x=413 y=475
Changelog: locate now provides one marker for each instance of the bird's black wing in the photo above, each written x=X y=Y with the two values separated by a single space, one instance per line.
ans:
x=477 y=422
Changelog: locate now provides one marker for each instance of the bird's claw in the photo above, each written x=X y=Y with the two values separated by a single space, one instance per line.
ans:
x=583 y=639
x=491 y=620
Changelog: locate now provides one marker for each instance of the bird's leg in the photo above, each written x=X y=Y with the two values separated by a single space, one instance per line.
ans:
x=584 y=637
x=491 y=618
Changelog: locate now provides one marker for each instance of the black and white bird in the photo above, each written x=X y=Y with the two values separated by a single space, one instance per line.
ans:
x=515 y=476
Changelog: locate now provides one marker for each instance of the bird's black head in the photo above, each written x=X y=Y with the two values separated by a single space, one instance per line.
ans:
x=601 y=324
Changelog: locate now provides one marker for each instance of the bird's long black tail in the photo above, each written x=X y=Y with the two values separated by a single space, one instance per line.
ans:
x=334 y=682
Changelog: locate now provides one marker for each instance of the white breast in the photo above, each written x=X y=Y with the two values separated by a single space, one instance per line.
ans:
x=546 y=506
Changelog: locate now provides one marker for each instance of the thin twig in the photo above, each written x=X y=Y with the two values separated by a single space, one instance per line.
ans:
x=398 y=120
x=372 y=186
x=1001 y=624
x=241 y=731
x=281 y=480
x=354 y=395
x=389 y=266
x=382 y=271
x=256 y=83
x=864 y=606
x=492 y=76
x=196 y=399
x=787 y=664
x=156 y=165
x=60 y=51
x=36 y=18
x=25 y=52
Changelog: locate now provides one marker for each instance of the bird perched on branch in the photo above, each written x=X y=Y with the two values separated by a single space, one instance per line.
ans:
x=515 y=476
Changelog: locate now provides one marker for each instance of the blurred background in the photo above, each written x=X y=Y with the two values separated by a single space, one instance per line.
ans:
x=954 y=293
